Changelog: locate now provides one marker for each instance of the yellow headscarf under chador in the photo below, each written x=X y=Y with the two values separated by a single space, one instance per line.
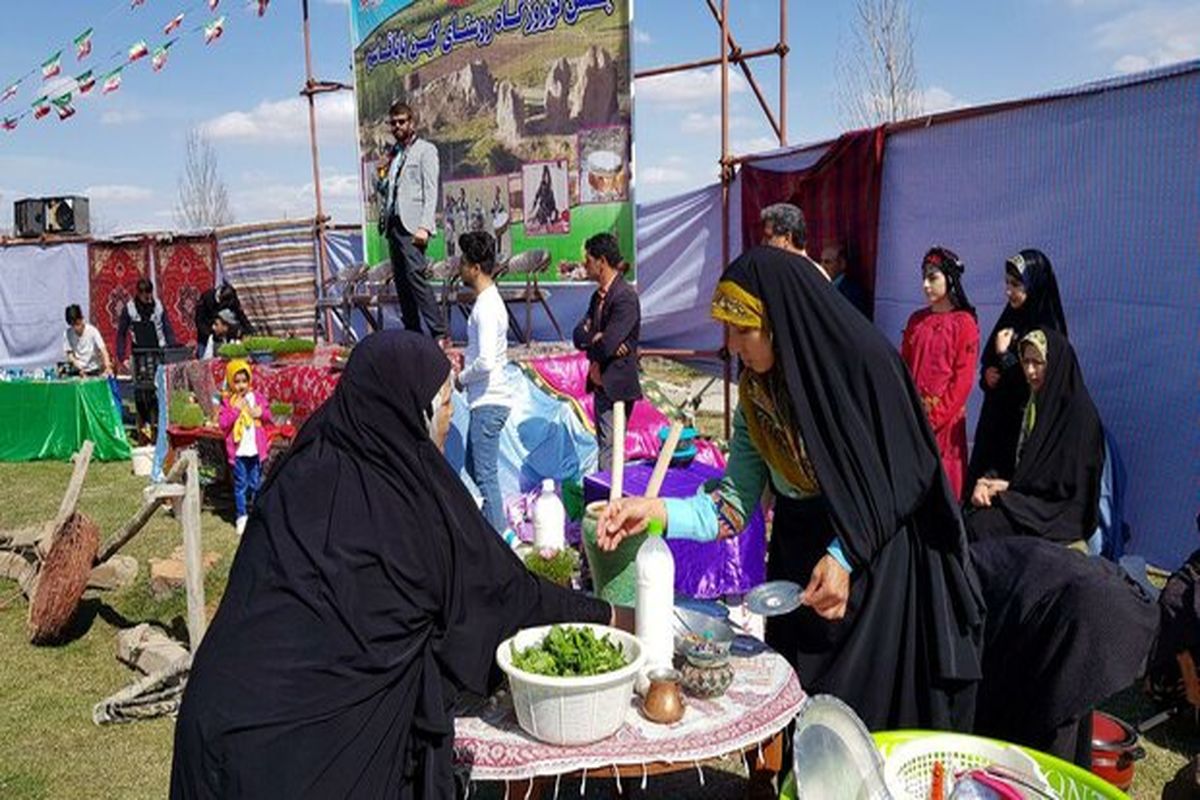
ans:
x=244 y=419
x=763 y=398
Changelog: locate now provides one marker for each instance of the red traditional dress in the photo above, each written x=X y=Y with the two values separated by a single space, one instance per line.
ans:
x=941 y=350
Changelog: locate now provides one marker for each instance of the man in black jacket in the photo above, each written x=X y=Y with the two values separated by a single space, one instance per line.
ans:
x=210 y=305
x=609 y=334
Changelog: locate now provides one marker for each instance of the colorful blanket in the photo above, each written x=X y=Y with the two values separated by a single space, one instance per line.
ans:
x=186 y=268
x=113 y=272
x=273 y=266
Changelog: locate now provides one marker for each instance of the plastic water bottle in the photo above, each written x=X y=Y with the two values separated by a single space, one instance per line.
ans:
x=655 y=610
x=549 y=519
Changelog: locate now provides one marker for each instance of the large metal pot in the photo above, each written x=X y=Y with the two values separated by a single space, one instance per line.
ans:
x=1115 y=749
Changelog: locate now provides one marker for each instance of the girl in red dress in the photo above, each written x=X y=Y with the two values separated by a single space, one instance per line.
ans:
x=940 y=347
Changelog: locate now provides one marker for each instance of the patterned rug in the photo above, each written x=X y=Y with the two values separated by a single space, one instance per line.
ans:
x=113 y=272
x=186 y=269
x=273 y=266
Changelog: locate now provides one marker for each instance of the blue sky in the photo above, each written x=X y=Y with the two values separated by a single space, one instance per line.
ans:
x=124 y=150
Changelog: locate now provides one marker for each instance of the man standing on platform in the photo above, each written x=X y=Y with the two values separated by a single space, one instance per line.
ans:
x=609 y=334
x=408 y=194
x=482 y=374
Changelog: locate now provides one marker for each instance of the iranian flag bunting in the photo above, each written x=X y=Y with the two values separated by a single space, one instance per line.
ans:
x=212 y=4
x=173 y=24
x=85 y=82
x=213 y=30
x=83 y=45
x=112 y=81
x=10 y=91
x=41 y=107
x=136 y=3
x=52 y=66
x=10 y=123
x=138 y=50
x=262 y=6
x=159 y=59
x=63 y=104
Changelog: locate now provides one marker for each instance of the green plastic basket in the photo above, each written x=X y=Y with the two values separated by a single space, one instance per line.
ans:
x=1069 y=781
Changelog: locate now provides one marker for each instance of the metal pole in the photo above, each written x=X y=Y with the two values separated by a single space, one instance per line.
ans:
x=783 y=54
x=737 y=57
x=309 y=83
x=725 y=177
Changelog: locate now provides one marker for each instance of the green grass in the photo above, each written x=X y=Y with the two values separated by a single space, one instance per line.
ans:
x=49 y=747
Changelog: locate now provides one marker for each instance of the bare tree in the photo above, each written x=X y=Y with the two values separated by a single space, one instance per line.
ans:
x=876 y=77
x=203 y=201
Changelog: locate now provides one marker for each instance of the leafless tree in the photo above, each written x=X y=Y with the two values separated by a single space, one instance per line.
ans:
x=203 y=200
x=876 y=76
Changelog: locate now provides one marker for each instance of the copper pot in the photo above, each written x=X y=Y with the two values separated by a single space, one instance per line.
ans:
x=664 y=700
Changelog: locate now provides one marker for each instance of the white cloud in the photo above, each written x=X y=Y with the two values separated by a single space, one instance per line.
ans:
x=691 y=88
x=935 y=99
x=1151 y=35
x=697 y=122
x=259 y=199
x=756 y=144
x=641 y=37
x=119 y=193
x=336 y=2
x=277 y=121
x=657 y=176
x=116 y=117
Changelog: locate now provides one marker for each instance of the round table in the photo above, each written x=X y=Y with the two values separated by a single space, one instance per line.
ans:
x=751 y=716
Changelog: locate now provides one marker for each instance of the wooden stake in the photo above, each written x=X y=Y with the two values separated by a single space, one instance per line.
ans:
x=143 y=515
x=664 y=459
x=70 y=500
x=193 y=562
x=618 y=448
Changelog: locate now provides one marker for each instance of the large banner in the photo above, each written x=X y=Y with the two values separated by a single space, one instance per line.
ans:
x=528 y=104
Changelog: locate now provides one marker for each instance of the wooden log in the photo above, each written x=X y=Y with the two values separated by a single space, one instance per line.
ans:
x=16 y=567
x=143 y=515
x=192 y=555
x=664 y=459
x=70 y=500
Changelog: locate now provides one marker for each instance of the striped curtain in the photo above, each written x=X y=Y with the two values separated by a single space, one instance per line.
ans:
x=273 y=266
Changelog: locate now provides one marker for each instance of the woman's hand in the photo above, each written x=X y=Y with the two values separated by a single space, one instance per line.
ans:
x=981 y=497
x=626 y=517
x=255 y=412
x=828 y=589
x=991 y=377
x=1003 y=340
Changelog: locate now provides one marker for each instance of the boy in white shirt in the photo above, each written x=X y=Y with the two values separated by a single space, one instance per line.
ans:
x=482 y=375
x=84 y=346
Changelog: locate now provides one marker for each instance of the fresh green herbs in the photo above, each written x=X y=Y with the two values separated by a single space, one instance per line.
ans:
x=570 y=652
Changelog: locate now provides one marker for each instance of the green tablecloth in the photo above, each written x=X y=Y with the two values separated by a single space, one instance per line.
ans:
x=52 y=419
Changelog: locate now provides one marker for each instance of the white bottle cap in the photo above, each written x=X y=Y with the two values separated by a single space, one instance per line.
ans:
x=548 y=484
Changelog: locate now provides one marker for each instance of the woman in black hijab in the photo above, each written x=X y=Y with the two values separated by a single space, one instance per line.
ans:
x=1064 y=632
x=367 y=593
x=864 y=517
x=1033 y=302
x=1055 y=489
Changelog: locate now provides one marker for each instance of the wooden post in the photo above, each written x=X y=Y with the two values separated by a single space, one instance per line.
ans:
x=139 y=520
x=618 y=450
x=70 y=500
x=193 y=562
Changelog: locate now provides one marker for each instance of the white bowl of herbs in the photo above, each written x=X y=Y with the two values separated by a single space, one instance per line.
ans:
x=571 y=684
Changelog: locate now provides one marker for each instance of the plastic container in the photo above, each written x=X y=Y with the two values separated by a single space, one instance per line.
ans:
x=571 y=711
x=614 y=574
x=909 y=767
x=142 y=459
x=655 y=603
x=549 y=519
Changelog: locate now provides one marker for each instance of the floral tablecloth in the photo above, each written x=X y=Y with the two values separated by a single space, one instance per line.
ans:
x=763 y=699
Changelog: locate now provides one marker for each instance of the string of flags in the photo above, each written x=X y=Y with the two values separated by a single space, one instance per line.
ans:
x=112 y=70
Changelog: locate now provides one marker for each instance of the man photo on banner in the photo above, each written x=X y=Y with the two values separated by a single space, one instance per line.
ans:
x=408 y=194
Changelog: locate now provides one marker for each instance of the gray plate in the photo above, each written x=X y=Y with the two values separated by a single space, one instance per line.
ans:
x=774 y=598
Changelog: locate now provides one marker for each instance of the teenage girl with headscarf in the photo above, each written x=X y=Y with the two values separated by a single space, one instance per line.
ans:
x=1033 y=302
x=828 y=418
x=940 y=345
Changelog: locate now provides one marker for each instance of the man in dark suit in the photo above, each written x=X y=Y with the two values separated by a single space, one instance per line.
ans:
x=609 y=333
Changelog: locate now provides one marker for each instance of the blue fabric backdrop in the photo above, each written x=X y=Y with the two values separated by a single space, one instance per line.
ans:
x=1106 y=182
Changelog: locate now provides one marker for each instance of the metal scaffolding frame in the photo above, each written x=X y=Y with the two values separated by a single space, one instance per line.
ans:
x=731 y=53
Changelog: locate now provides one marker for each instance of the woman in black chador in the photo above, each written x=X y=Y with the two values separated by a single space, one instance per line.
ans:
x=367 y=593
x=545 y=207
x=1033 y=302
x=1054 y=491
x=864 y=516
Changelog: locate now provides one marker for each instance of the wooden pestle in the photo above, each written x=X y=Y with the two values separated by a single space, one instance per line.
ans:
x=664 y=459
x=618 y=458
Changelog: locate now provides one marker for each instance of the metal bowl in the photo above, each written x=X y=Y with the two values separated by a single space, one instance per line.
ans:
x=702 y=639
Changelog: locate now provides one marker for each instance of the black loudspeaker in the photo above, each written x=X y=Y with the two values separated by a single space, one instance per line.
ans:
x=51 y=215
